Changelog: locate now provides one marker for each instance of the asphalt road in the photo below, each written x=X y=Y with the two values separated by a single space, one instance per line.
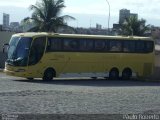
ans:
x=78 y=96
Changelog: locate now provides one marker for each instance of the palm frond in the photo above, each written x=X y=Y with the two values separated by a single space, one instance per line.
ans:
x=46 y=16
x=37 y=11
x=133 y=26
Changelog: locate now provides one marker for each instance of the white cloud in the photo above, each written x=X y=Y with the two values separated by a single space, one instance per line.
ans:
x=17 y=3
x=144 y=8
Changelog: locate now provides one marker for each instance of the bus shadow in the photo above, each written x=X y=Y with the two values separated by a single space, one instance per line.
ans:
x=94 y=82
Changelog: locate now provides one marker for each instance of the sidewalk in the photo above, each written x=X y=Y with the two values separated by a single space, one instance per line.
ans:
x=1 y=70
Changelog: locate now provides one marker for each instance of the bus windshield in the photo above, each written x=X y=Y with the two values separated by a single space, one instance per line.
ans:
x=18 y=51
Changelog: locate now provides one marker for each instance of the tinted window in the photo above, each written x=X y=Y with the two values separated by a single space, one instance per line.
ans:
x=70 y=44
x=149 y=46
x=140 y=46
x=129 y=46
x=18 y=51
x=54 y=44
x=115 y=46
x=100 y=45
x=86 y=45
x=91 y=45
x=37 y=50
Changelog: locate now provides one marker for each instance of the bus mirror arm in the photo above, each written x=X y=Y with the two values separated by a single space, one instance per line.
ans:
x=6 y=45
x=3 y=49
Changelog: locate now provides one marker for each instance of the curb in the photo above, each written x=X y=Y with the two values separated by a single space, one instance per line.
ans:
x=151 y=80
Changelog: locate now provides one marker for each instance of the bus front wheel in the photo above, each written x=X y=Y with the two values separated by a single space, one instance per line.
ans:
x=49 y=74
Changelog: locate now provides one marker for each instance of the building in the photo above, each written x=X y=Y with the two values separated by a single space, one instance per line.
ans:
x=116 y=26
x=156 y=33
x=15 y=26
x=1 y=27
x=125 y=14
x=98 y=26
x=5 y=20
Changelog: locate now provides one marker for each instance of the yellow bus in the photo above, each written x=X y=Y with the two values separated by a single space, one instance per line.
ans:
x=49 y=55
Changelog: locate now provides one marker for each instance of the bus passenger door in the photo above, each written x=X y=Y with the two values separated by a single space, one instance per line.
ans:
x=35 y=62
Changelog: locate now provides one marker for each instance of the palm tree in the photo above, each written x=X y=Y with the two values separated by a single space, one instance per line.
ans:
x=46 y=16
x=133 y=26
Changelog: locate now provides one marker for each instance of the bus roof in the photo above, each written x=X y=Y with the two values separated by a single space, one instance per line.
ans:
x=36 y=34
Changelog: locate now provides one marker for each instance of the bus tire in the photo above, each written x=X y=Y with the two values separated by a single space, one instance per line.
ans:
x=114 y=74
x=127 y=74
x=30 y=78
x=49 y=74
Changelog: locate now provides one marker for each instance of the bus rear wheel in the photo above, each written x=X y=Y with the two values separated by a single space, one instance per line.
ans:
x=114 y=74
x=49 y=74
x=127 y=74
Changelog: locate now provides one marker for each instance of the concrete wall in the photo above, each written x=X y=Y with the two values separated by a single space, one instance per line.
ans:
x=3 y=57
x=4 y=38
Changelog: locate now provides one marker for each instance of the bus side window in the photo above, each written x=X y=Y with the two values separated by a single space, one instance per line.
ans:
x=115 y=46
x=129 y=46
x=54 y=44
x=140 y=46
x=99 y=45
x=66 y=44
x=149 y=46
x=48 y=45
x=74 y=44
x=71 y=45
x=87 y=45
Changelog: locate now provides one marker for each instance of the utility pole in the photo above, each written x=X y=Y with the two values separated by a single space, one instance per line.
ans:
x=108 y=15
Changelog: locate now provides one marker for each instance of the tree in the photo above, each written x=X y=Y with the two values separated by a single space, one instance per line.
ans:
x=46 y=16
x=133 y=26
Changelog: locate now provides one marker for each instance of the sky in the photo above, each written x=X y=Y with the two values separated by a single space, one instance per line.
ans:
x=89 y=12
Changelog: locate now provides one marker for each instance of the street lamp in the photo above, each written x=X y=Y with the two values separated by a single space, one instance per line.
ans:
x=108 y=14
